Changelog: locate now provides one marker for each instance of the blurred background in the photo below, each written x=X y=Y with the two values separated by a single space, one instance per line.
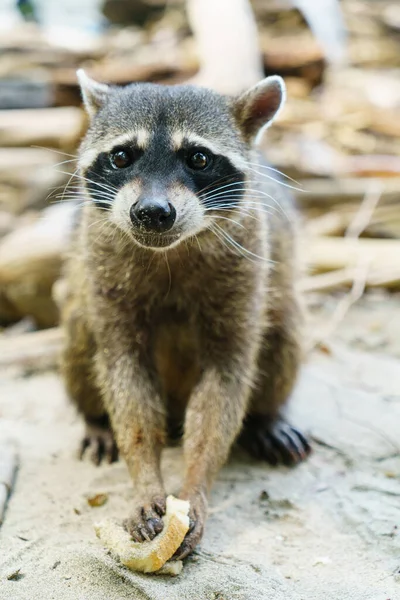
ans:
x=338 y=138
x=329 y=529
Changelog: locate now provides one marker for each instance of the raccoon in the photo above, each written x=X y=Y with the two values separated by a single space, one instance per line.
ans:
x=182 y=315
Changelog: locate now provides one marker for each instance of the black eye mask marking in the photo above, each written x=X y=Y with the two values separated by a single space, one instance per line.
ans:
x=218 y=176
x=214 y=179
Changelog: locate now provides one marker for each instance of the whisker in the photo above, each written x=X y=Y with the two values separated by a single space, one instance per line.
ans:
x=287 y=185
x=259 y=165
x=63 y=162
x=228 y=219
x=223 y=187
x=54 y=150
x=240 y=189
x=265 y=195
x=224 y=178
x=83 y=178
x=75 y=194
x=198 y=242
x=221 y=239
x=238 y=246
x=243 y=211
x=103 y=221
x=249 y=202
x=169 y=273
x=66 y=185
x=228 y=242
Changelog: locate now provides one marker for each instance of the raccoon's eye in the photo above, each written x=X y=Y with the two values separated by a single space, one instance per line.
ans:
x=120 y=159
x=198 y=160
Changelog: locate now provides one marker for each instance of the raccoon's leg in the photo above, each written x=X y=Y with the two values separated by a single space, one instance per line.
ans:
x=133 y=399
x=265 y=433
x=76 y=366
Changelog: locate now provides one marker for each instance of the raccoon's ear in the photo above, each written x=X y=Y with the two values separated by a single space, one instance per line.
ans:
x=255 y=109
x=94 y=94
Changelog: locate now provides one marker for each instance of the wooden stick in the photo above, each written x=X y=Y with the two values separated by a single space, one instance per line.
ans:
x=323 y=192
x=330 y=253
x=364 y=214
x=356 y=227
x=34 y=351
x=227 y=38
x=54 y=127
x=30 y=263
x=342 y=308
x=325 y=282
x=8 y=468
x=385 y=219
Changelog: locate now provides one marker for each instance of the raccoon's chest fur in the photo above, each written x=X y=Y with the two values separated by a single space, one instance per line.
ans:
x=176 y=347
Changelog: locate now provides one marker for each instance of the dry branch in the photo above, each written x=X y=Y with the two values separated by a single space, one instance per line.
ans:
x=329 y=192
x=342 y=308
x=329 y=253
x=327 y=282
x=54 y=127
x=30 y=263
x=364 y=215
x=26 y=177
x=356 y=227
x=36 y=351
x=8 y=468
x=226 y=35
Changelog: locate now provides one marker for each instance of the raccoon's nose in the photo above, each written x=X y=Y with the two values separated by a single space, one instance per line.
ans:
x=153 y=214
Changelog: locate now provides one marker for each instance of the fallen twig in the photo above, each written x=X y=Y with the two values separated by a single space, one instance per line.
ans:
x=8 y=468
x=36 y=351
x=343 y=306
x=361 y=271
x=363 y=216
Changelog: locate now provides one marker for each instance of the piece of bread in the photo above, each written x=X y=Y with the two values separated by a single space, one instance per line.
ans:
x=148 y=557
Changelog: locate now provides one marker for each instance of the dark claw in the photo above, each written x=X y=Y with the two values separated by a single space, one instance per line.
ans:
x=146 y=522
x=158 y=525
x=154 y=525
x=160 y=507
x=303 y=440
x=98 y=442
x=84 y=444
x=297 y=447
x=96 y=451
x=110 y=450
x=266 y=449
x=150 y=527
x=144 y=533
x=196 y=526
x=192 y=524
x=274 y=441
x=182 y=552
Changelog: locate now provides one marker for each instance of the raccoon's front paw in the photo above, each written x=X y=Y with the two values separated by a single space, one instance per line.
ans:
x=98 y=442
x=197 y=519
x=146 y=520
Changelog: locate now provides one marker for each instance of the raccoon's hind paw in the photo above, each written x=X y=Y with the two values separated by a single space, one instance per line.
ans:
x=274 y=441
x=98 y=442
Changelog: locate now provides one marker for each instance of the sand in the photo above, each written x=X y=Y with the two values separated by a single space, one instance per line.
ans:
x=327 y=530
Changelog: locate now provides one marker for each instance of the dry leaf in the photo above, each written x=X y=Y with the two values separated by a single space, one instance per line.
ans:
x=97 y=500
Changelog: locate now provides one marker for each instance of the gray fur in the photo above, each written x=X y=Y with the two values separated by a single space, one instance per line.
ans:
x=202 y=333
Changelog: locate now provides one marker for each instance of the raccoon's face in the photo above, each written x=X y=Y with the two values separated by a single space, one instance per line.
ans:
x=162 y=160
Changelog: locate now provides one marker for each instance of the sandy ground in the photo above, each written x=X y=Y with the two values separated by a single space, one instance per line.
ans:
x=327 y=530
